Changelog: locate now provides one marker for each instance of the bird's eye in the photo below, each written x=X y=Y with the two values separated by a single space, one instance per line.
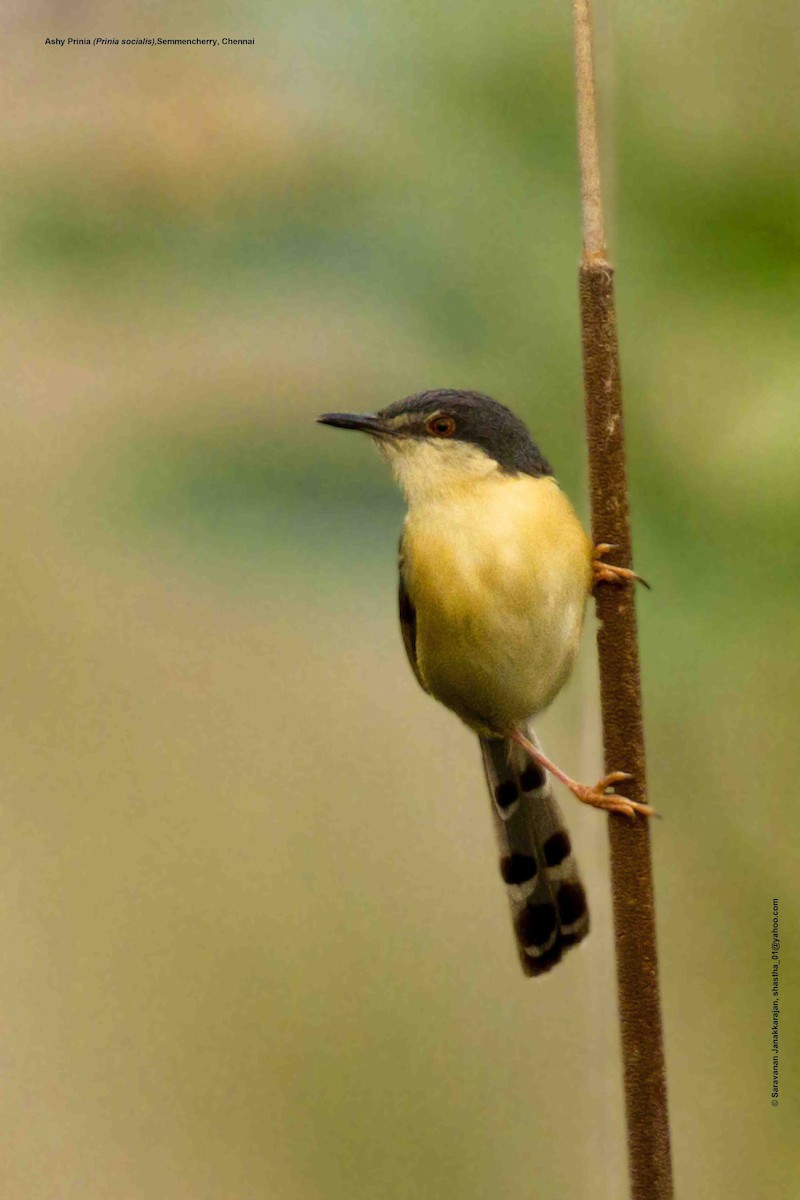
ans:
x=441 y=426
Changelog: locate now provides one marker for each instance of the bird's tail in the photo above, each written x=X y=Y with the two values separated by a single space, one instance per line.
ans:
x=548 y=903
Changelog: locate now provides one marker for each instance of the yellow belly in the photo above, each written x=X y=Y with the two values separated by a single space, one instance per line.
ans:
x=499 y=575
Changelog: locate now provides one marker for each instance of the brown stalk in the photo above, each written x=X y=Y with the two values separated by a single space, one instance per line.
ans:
x=623 y=736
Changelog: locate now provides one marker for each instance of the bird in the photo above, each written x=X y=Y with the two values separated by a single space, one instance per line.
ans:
x=495 y=570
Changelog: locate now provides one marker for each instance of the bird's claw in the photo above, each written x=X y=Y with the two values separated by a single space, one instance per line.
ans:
x=607 y=573
x=599 y=797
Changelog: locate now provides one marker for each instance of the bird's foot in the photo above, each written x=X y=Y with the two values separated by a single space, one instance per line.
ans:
x=597 y=796
x=604 y=572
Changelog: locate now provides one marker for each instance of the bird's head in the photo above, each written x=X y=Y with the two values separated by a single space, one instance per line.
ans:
x=440 y=441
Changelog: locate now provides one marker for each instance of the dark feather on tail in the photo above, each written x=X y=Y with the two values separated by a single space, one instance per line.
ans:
x=548 y=903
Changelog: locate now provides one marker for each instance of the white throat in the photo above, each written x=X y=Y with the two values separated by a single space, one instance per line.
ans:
x=433 y=469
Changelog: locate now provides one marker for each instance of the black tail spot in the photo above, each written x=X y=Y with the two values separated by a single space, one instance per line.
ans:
x=506 y=793
x=556 y=848
x=571 y=902
x=532 y=778
x=517 y=868
x=535 y=924
x=542 y=962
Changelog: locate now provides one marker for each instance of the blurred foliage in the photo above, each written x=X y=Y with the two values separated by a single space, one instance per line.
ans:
x=240 y=846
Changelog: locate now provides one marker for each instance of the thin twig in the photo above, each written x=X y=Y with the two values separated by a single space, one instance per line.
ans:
x=594 y=240
x=631 y=871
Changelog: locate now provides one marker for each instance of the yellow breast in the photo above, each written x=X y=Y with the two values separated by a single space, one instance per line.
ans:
x=498 y=573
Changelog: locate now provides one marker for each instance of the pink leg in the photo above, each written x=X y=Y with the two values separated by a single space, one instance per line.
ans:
x=597 y=796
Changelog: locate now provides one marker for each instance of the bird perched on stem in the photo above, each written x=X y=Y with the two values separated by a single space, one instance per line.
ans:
x=495 y=571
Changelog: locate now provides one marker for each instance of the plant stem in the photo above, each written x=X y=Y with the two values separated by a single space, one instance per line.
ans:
x=623 y=736
x=594 y=241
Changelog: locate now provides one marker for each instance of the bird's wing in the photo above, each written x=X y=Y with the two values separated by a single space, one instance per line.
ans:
x=408 y=622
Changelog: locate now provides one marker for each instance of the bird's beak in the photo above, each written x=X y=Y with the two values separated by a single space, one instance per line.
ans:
x=362 y=421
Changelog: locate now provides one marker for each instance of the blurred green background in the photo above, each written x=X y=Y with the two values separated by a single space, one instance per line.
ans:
x=254 y=941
